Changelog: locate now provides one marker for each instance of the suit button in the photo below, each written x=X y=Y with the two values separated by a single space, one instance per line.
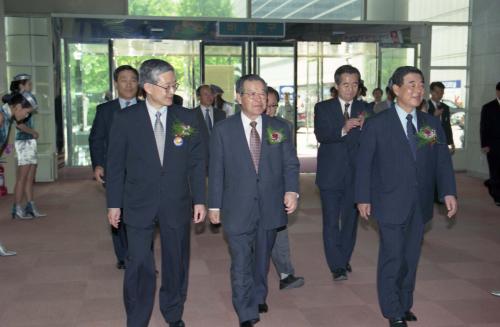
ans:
x=258 y=180
x=256 y=198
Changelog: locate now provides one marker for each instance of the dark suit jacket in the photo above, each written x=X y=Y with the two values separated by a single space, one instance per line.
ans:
x=136 y=180
x=490 y=125
x=234 y=185
x=205 y=135
x=336 y=154
x=445 y=121
x=99 y=133
x=390 y=179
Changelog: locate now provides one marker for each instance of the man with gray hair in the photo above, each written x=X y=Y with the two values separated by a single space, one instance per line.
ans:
x=155 y=172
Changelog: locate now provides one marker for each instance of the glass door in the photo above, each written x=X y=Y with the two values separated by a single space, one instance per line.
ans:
x=222 y=64
x=86 y=82
x=391 y=58
x=276 y=63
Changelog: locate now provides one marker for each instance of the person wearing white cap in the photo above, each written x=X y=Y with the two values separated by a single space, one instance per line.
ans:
x=26 y=151
x=16 y=107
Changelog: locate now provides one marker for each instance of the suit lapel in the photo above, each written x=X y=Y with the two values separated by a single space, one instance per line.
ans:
x=264 y=148
x=149 y=132
x=241 y=139
x=398 y=133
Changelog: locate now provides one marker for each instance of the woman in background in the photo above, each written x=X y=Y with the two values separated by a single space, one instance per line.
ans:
x=26 y=151
x=17 y=107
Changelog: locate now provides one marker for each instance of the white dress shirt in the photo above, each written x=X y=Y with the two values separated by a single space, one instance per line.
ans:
x=123 y=102
x=210 y=113
x=402 y=117
x=246 y=125
x=342 y=106
x=152 y=115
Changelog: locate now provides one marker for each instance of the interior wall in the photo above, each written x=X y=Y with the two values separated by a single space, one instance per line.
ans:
x=484 y=74
x=90 y=7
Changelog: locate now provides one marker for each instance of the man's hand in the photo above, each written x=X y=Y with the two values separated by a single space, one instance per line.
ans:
x=99 y=174
x=365 y=210
x=199 y=213
x=214 y=216
x=438 y=111
x=452 y=148
x=290 y=201
x=350 y=124
x=114 y=216
x=451 y=204
x=35 y=135
x=362 y=120
x=485 y=149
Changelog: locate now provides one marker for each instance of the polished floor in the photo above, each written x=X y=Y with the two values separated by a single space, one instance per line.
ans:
x=64 y=274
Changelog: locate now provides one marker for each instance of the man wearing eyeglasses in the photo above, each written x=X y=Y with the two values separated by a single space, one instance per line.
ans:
x=155 y=171
x=253 y=185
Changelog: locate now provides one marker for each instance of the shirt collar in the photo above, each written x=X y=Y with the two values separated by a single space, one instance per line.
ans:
x=152 y=110
x=205 y=108
x=246 y=121
x=402 y=114
x=342 y=103
x=123 y=102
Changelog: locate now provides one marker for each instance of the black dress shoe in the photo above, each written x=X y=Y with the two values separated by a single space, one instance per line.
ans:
x=121 y=264
x=178 y=323
x=215 y=228
x=398 y=322
x=291 y=282
x=247 y=323
x=339 y=274
x=263 y=308
x=348 y=268
x=410 y=316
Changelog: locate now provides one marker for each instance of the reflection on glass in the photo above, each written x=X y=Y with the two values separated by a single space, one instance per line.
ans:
x=306 y=9
x=223 y=67
x=88 y=81
x=449 y=45
x=188 y=8
x=392 y=58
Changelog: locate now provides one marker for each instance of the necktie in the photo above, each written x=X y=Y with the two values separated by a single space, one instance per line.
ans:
x=208 y=120
x=159 y=136
x=127 y=103
x=255 y=145
x=411 y=134
x=346 y=110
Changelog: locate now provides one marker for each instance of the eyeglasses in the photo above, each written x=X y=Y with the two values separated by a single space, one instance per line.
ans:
x=255 y=94
x=273 y=106
x=172 y=87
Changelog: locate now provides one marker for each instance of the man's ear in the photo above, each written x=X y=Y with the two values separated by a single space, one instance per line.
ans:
x=395 y=89
x=238 y=98
x=147 y=88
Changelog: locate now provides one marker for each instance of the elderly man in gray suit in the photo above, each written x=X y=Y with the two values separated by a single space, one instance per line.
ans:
x=253 y=185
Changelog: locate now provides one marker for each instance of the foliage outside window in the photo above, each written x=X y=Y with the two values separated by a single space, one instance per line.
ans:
x=187 y=8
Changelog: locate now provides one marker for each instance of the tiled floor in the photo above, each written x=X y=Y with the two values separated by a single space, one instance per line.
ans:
x=64 y=275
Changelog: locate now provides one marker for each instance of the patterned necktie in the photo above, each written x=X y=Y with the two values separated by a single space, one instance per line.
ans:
x=208 y=120
x=346 y=110
x=159 y=136
x=255 y=145
x=411 y=134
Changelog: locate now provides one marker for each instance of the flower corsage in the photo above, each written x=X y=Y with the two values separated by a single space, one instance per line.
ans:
x=427 y=135
x=181 y=131
x=275 y=136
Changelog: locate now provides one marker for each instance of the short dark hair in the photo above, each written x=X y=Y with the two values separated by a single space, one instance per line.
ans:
x=399 y=74
x=271 y=90
x=498 y=86
x=346 y=69
x=122 y=68
x=250 y=77
x=378 y=89
x=436 y=84
x=198 y=90
x=17 y=98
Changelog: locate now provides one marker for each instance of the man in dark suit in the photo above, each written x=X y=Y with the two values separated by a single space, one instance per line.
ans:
x=280 y=255
x=396 y=173
x=253 y=184
x=126 y=80
x=490 y=143
x=441 y=111
x=337 y=124
x=208 y=116
x=155 y=172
